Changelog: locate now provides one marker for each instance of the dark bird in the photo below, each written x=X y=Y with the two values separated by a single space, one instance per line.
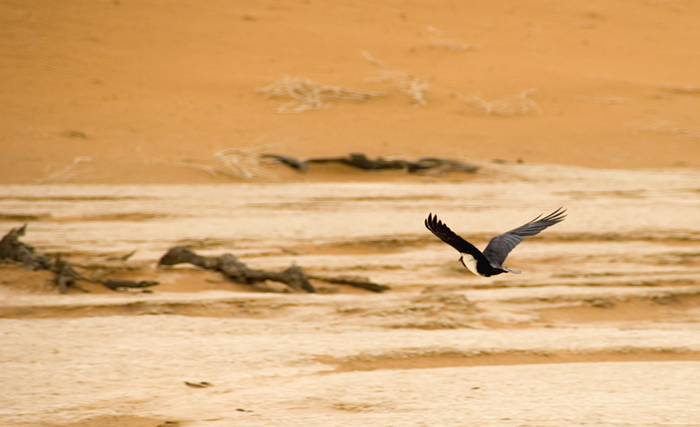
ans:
x=490 y=262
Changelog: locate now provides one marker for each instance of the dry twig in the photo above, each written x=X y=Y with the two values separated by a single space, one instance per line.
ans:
x=504 y=107
x=309 y=95
x=452 y=45
x=374 y=60
x=414 y=86
x=66 y=174
x=246 y=164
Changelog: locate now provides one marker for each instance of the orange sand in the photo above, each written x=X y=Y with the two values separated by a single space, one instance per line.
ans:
x=139 y=86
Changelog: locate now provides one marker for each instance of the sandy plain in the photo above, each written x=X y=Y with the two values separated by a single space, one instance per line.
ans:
x=137 y=126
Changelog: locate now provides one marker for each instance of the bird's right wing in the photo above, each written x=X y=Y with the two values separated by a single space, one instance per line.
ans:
x=444 y=233
x=500 y=246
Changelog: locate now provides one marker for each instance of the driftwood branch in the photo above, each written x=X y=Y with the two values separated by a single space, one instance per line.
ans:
x=117 y=284
x=66 y=276
x=294 y=277
x=230 y=266
x=293 y=163
x=424 y=165
x=12 y=249
x=357 y=282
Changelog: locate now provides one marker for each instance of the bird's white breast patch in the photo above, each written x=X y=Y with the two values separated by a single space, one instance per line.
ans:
x=470 y=262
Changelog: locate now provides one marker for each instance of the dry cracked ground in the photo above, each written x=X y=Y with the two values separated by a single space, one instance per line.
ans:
x=600 y=329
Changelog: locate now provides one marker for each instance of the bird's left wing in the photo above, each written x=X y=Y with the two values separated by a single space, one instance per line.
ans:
x=443 y=232
x=500 y=246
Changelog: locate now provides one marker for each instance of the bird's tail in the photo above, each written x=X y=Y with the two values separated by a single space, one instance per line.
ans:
x=512 y=271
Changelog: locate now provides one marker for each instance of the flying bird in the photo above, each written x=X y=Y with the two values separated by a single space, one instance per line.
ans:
x=490 y=262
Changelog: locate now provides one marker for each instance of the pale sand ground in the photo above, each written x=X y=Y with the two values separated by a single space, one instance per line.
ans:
x=601 y=328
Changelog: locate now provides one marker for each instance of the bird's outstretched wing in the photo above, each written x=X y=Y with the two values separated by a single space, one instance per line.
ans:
x=500 y=246
x=444 y=233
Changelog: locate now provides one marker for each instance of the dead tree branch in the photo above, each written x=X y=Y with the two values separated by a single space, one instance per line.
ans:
x=231 y=267
x=117 y=284
x=357 y=282
x=14 y=250
x=294 y=277
x=424 y=165
x=11 y=249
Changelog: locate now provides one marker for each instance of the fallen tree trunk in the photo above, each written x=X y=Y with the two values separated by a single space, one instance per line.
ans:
x=424 y=165
x=14 y=250
x=230 y=266
x=116 y=284
x=66 y=277
x=357 y=282
x=294 y=277
x=235 y=270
